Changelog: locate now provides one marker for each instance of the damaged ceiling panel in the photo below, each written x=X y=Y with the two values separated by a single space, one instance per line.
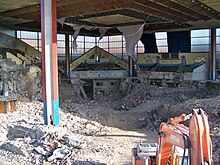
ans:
x=113 y=18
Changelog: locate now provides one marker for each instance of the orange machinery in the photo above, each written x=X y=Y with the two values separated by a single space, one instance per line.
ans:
x=179 y=144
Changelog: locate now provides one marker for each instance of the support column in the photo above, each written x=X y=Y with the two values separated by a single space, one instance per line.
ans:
x=67 y=51
x=130 y=66
x=212 y=66
x=49 y=62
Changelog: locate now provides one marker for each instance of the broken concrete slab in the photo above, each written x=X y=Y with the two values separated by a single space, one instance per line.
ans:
x=19 y=131
x=13 y=148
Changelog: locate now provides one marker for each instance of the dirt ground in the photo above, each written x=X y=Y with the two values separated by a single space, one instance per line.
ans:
x=107 y=128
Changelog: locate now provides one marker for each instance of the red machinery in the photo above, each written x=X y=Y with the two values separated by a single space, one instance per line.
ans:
x=178 y=144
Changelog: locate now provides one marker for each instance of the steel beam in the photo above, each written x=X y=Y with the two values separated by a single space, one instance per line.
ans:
x=67 y=51
x=212 y=70
x=49 y=62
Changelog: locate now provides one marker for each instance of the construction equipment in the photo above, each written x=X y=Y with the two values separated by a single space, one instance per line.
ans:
x=179 y=144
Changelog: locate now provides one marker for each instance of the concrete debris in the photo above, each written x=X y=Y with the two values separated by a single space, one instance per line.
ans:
x=13 y=149
x=102 y=132
x=42 y=150
x=59 y=153
x=18 y=131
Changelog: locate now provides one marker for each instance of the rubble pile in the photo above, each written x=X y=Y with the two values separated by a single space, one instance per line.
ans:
x=25 y=140
x=85 y=135
x=143 y=93
x=151 y=105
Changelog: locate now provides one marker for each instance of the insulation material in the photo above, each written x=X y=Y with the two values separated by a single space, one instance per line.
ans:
x=102 y=31
x=76 y=33
x=132 y=35
x=61 y=21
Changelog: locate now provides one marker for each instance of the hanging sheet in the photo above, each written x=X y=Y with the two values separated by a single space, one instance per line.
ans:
x=132 y=35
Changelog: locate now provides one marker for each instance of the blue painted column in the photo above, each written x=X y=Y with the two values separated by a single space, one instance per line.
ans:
x=49 y=62
x=212 y=62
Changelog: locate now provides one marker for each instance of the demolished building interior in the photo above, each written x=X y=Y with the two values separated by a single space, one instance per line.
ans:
x=83 y=82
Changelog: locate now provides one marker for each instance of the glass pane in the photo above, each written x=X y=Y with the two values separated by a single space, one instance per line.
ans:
x=218 y=32
x=140 y=49
x=199 y=41
x=28 y=35
x=103 y=45
x=218 y=48
x=124 y=50
x=61 y=44
x=80 y=38
x=115 y=50
x=217 y=40
x=200 y=33
x=89 y=39
x=80 y=44
x=161 y=43
x=163 y=49
x=140 y=43
x=115 y=38
x=161 y=35
x=203 y=48
x=104 y=39
x=60 y=37
x=18 y=34
x=89 y=45
x=115 y=44
x=61 y=51
x=79 y=52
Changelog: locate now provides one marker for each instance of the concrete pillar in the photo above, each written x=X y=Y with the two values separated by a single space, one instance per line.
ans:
x=49 y=62
x=212 y=66
x=67 y=52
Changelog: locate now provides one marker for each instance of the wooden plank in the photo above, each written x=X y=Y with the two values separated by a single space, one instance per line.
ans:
x=184 y=9
x=166 y=9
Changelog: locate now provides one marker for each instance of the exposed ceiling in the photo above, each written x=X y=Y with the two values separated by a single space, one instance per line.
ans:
x=159 y=15
x=6 y=5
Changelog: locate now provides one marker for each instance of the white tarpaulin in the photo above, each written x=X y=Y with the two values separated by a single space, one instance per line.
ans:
x=132 y=35
x=102 y=31
x=76 y=28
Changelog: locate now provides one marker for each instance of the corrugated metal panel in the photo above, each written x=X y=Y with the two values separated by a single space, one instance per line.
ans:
x=7 y=30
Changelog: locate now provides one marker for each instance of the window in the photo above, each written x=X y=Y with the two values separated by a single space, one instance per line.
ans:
x=61 y=44
x=200 y=40
x=31 y=38
x=218 y=49
x=161 y=39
